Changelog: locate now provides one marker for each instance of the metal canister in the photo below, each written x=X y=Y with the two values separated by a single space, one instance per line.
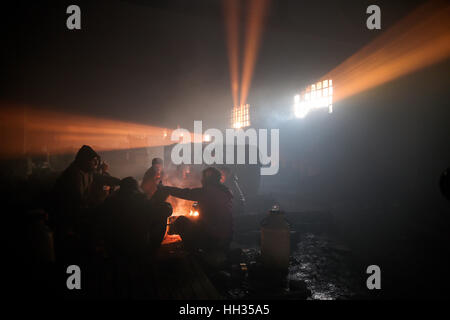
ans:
x=275 y=240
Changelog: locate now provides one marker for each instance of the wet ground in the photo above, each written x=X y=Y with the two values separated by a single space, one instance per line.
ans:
x=320 y=269
x=328 y=268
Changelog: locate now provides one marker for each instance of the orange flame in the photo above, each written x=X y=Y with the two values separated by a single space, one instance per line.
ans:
x=193 y=213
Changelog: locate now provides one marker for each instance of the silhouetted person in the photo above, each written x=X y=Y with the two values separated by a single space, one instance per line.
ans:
x=231 y=181
x=152 y=177
x=213 y=228
x=134 y=228
x=158 y=164
x=102 y=186
x=135 y=223
x=73 y=194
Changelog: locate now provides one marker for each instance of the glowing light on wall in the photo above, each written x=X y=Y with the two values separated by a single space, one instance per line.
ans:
x=316 y=96
x=256 y=14
x=240 y=117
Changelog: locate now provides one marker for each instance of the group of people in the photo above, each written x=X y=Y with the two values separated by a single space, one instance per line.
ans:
x=96 y=211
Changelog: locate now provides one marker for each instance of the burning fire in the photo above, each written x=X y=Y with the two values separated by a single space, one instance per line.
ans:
x=171 y=236
x=180 y=207
x=193 y=213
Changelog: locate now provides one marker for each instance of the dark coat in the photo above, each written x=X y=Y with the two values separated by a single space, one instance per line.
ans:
x=71 y=192
x=133 y=224
x=75 y=190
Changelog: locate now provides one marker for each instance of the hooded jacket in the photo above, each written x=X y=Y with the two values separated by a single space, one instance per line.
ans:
x=72 y=188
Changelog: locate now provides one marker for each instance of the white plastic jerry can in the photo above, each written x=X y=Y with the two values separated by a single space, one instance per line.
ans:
x=275 y=240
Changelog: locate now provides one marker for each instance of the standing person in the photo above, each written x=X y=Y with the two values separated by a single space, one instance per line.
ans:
x=157 y=166
x=231 y=181
x=72 y=190
x=152 y=177
x=213 y=229
x=72 y=197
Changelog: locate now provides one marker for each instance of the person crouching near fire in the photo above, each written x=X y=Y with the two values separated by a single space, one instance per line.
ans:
x=133 y=229
x=134 y=224
x=213 y=228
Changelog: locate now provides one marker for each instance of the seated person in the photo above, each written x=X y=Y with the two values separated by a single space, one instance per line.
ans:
x=133 y=223
x=213 y=228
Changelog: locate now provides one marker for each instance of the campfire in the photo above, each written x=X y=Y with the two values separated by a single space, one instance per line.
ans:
x=193 y=213
x=183 y=178
x=183 y=207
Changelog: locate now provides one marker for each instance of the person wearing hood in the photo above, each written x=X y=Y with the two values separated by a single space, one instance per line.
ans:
x=73 y=194
x=213 y=228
